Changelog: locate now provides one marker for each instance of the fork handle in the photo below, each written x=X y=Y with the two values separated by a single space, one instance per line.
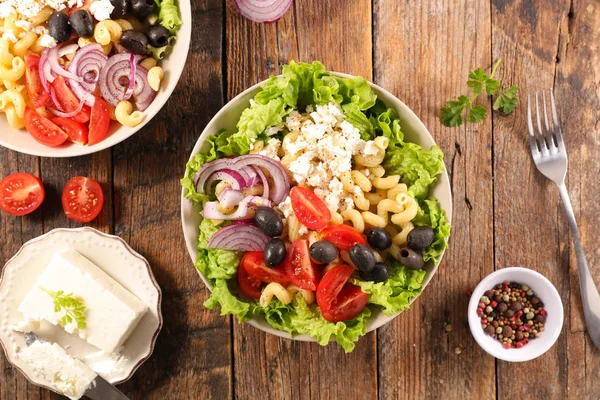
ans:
x=589 y=292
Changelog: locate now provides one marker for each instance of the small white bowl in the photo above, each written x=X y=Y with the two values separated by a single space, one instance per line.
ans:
x=227 y=118
x=20 y=140
x=544 y=289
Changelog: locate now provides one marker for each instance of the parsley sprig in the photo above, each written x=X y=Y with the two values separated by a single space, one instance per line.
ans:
x=73 y=307
x=479 y=81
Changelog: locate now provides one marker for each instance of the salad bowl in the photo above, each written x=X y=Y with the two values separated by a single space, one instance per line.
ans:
x=173 y=65
x=414 y=131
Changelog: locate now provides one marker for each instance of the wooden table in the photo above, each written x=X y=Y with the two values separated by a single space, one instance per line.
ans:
x=505 y=212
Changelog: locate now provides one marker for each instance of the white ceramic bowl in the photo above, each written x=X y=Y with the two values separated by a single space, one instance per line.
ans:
x=228 y=116
x=544 y=289
x=23 y=142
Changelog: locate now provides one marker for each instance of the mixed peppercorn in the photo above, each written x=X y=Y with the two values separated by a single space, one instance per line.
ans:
x=512 y=314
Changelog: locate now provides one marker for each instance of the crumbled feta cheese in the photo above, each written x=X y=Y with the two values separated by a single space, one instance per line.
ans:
x=10 y=36
x=48 y=41
x=73 y=3
x=271 y=149
x=370 y=148
x=40 y=30
x=6 y=9
x=303 y=230
x=101 y=9
x=293 y=121
x=25 y=25
x=273 y=130
x=286 y=207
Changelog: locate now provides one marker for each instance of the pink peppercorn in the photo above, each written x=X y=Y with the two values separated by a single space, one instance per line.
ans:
x=506 y=345
x=493 y=303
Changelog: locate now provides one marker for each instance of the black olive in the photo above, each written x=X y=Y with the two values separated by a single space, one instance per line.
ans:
x=119 y=10
x=274 y=253
x=268 y=221
x=322 y=252
x=380 y=273
x=158 y=36
x=362 y=257
x=134 y=41
x=59 y=27
x=410 y=258
x=420 y=237
x=379 y=238
x=141 y=8
x=82 y=23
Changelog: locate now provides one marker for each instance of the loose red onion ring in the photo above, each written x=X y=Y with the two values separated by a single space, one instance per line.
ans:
x=44 y=71
x=263 y=10
x=239 y=237
x=132 y=64
x=234 y=178
x=53 y=57
x=229 y=197
x=264 y=181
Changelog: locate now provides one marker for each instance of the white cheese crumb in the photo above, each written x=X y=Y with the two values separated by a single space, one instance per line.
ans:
x=286 y=207
x=10 y=36
x=48 y=41
x=25 y=25
x=6 y=9
x=101 y=9
x=271 y=149
x=370 y=148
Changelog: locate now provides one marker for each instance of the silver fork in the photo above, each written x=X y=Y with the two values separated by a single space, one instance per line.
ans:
x=550 y=158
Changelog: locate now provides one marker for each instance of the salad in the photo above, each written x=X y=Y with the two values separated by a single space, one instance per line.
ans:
x=316 y=212
x=69 y=67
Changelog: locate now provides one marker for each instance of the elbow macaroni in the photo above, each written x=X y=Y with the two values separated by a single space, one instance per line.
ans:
x=107 y=31
x=126 y=116
x=155 y=76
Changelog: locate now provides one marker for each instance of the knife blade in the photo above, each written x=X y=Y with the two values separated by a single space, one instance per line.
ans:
x=100 y=389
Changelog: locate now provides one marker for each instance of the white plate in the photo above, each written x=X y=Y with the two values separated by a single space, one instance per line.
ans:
x=23 y=142
x=414 y=131
x=118 y=260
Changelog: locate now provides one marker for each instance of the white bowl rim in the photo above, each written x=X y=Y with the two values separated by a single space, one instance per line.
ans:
x=75 y=150
x=443 y=177
x=129 y=249
x=491 y=346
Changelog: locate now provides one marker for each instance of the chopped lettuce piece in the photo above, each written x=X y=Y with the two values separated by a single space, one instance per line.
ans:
x=430 y=214
x=168 y=15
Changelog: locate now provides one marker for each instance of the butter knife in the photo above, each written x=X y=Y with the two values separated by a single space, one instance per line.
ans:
x=100 y=389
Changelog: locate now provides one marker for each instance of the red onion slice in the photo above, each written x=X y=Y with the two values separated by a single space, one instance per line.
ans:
x=257 y=201
x=263 y=10
x=211 y=211
x=229 y=197
x=118 y=68
x=129 y=91
x=264 y=181
x=57 y=68
x=239 y=237
x=233 y=178
x=67 y=114
x=44 y=71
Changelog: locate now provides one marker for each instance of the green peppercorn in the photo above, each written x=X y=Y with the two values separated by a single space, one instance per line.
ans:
x=530 y=315
x=485 y=300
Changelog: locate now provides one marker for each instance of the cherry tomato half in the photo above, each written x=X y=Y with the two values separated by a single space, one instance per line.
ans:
x=68 y=101
x=43 y=130
x=331 y=284
x=36 y=91
x=299 y=266
x=254 y=263
x=82 y=199
x=309 y=208
x=77 y=132
x=342 y=236
x=348 y=304
x=21 y=193
x=249 y=285
x=99 y=122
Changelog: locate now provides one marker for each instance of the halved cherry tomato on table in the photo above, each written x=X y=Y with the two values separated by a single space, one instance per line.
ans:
x=331 y=284
x=249 y=285
x=348 y=304
x=82 y=199
x=36 y=91
x=99 y=122
x=254 y=263
x=67 y=100
x=299 y=266
x=78 y=132
x=43 y=130
x=21 y=193
x=309 y=208
x=342 y=236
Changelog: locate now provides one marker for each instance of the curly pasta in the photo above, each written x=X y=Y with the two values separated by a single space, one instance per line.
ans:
x=283 y=294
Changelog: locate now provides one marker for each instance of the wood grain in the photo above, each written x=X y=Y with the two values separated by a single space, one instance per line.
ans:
x=423 y=57
x=312 y=30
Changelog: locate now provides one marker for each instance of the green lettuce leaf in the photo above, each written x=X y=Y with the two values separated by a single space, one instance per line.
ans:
x=393 y=295
x=215 y=263
x=430 y=214
x=168 y=15
x=230 y=304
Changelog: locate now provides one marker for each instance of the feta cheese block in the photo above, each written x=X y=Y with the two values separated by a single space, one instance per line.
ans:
x=65 y=374
x=111 y=314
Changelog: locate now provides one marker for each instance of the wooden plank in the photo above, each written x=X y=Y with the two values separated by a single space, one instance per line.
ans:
x=15 y=232
x=575 y=83
x=337 y=33
x=193 y=352
x=423 y=56
x=530 y=230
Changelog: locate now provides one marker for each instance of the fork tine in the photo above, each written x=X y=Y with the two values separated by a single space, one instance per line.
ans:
x=532 y=140
x=543 y=143
x=557 y=130
x=549 y=136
